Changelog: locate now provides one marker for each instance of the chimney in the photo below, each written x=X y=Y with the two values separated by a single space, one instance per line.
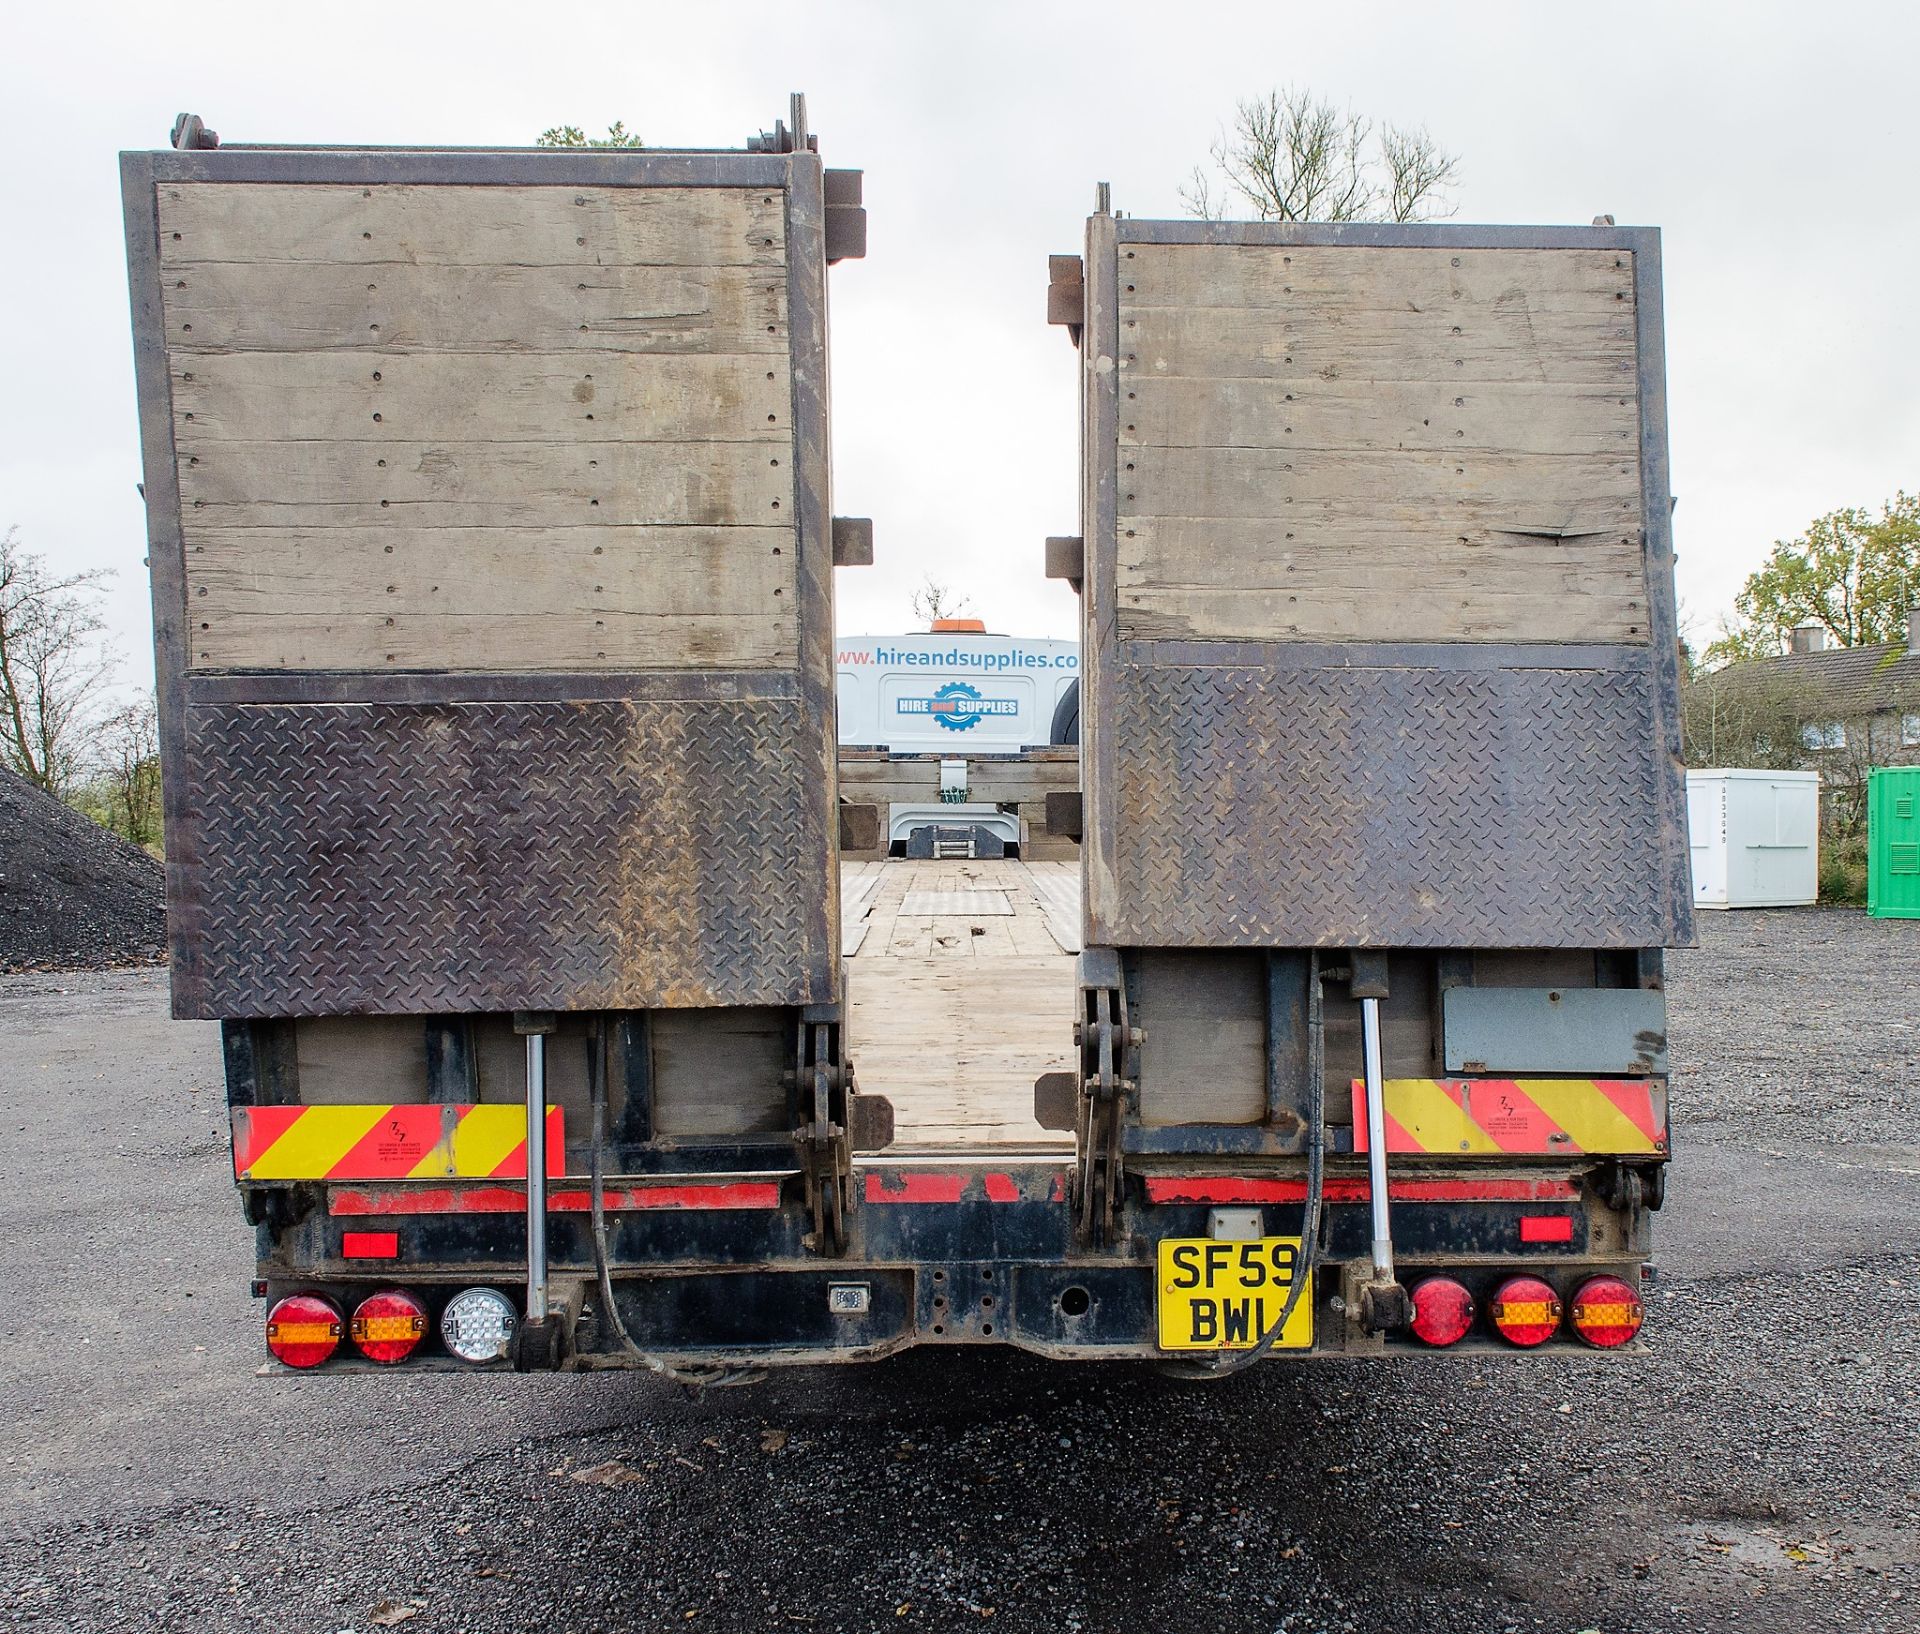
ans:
x=1913 y=632
x=1809 y=638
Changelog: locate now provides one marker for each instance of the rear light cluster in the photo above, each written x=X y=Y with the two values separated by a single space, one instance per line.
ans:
x=304 y=1330
x=1526 y=1311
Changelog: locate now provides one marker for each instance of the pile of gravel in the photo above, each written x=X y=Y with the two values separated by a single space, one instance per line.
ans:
x=73 y=896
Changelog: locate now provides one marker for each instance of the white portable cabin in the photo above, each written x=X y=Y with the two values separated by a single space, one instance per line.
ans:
x=953 y=692
x=1755 y=838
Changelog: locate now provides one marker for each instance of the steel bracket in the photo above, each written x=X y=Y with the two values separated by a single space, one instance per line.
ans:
x=1067 y=293
x=853 y=541
x=846 y=218
x=818 y=1101
x=1109 y=1090
x=189 y=131
x=1067 y=559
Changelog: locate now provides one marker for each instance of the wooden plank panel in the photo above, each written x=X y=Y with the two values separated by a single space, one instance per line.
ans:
x=954 y=1032
x=1343 y=550
x=1435 y=415
x=287 y=306
x=1567 y=493
x=1348 y=578
x=354 y=484
x=474 y=597
x=528 y=226
x=1354 y=443
x=1408 y=613
x=531 y=640
x=1354 y=278
x=1565 y=348
x=451 y=396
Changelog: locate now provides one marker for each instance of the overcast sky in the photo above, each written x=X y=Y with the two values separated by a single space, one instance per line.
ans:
x=1776 y=145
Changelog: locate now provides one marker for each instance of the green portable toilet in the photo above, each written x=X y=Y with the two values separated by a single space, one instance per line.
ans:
x=1893 y=842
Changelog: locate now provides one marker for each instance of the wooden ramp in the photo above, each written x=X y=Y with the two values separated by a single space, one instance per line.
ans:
x=960 y=1004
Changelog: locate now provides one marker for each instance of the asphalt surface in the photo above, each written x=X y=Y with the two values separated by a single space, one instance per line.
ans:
x=1758 y=1468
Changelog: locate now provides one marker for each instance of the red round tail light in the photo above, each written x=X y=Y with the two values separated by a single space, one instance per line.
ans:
x=1442 y=1311
x=1607 y=1312
x=303 y=1330
x=1526 y=1311
x=388 y=1326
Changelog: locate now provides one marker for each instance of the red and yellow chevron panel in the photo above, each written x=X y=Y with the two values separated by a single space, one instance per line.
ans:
x=1551 y=1117
x=412 y=1142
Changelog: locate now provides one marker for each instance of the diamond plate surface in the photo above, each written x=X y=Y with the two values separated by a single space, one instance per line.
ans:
x=409 y=858
x=1391 y=807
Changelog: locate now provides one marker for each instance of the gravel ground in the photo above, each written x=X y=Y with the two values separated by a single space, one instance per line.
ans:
x=1758 y=1468
x=72 y=895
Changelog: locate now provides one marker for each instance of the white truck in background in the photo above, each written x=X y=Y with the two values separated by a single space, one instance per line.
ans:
x=953 y=689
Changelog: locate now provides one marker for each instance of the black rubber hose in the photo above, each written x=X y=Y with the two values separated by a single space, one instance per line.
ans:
x=1232 y=1362
x=697 y=1377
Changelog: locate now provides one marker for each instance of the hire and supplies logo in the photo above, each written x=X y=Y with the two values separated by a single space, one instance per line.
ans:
x=957 y=706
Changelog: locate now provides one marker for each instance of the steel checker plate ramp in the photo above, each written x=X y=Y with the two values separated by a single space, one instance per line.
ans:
x=494 y=856
x=1395 y=807
x=1216 y=1295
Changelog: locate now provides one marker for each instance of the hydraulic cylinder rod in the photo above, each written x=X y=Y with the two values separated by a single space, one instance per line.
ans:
x=1376 y=1140
x=536 y=1177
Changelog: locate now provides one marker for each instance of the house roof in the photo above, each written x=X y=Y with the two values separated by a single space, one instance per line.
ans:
x=1850 y=680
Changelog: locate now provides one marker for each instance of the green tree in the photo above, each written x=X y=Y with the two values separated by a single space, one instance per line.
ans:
x=1853 y=574
x=572 y=136
x=1290 y=155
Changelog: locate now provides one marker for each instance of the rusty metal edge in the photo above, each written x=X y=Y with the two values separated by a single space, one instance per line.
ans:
x=166 y=562
x=489 y=167
x=1385 y=235
x=813 y=534
x=1099 y=527
x=1449 y=655
x=1663 y=632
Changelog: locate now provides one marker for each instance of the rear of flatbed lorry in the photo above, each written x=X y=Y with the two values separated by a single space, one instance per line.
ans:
x=491 y=537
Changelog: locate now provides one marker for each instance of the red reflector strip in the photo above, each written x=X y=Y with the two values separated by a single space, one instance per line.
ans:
x=1546 y=1228
x=1481 y=1117
x=891 y=1186
x=1217 y=1189
x=895 y=1186
x=414 y=1141
x=718 y=1194
x=370 y=1245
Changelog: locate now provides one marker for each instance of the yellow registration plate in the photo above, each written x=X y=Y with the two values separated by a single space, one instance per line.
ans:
x=1225 y=1295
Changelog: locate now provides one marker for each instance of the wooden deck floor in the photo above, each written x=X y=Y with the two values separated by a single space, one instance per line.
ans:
x=955 y=1013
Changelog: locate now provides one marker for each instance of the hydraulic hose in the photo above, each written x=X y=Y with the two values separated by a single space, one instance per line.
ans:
x=1231 y=1362
x=699 y=1378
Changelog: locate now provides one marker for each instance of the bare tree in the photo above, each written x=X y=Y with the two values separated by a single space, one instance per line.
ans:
x=53 y=667
x=1293 y=156
x=934 y=601
x=127 y=754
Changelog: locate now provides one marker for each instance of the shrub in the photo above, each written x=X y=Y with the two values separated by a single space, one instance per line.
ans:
x=1843 y=870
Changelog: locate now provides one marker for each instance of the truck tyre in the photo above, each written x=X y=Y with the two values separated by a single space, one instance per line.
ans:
x=1066 y=716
